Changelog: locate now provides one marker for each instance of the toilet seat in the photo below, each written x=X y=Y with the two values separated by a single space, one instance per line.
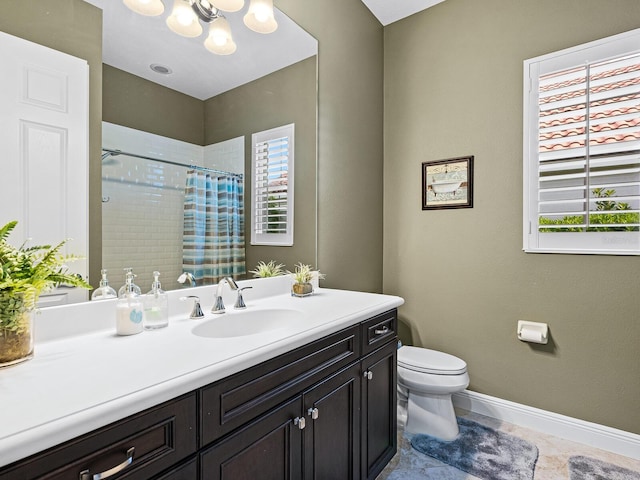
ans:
x=430 y=361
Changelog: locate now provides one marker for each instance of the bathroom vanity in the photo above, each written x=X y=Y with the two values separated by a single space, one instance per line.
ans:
x=314 y=399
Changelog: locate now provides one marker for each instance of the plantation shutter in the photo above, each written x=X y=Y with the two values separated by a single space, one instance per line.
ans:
x=584 y=151
x=272 y=215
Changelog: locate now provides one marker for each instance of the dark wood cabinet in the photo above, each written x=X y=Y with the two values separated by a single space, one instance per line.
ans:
x=236 y=400
x=331 y=437
x=324 y=411
x=140 y=447
x=267 y=448
x=345 y=426
x=379 y=415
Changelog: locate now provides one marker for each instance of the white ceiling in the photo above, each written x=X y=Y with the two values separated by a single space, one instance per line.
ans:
x=389 y=11
x=133 y=42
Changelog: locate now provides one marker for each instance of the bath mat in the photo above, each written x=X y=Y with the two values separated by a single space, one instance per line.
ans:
x=483 y=452
x=587 y=468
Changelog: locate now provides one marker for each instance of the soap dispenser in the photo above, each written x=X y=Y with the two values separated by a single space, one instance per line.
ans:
x=129 y=287
x=156 y=306
x=104 y=291
x=129 y=309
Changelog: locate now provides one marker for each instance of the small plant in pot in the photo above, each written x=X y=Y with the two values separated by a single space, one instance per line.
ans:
x=302 y=277
x=265 y=270
x=25 y=273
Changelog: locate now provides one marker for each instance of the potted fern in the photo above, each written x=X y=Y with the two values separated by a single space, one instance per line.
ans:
x=302 y=277
x=25 y=273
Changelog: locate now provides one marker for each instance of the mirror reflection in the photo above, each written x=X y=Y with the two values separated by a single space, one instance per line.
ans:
x=148 y=197
x=179 y=211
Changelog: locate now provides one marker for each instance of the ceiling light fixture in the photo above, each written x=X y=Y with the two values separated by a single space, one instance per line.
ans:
x=186 y=16
x=260 y=17
x=146 y=7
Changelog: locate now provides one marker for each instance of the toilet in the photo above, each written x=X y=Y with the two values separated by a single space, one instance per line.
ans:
x=426 y=380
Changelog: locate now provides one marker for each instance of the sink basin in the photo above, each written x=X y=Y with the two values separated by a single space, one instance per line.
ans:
x=247 y=322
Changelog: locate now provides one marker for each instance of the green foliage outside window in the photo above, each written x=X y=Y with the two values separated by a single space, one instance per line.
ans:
x=616 y=215
x=275 y=221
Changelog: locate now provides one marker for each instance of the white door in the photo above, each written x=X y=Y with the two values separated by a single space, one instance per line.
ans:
x=44 y=151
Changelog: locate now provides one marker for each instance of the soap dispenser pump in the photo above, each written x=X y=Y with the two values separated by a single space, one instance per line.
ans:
x=156 y=306
x=129 y=287
x=104 y=291
x=129 y=309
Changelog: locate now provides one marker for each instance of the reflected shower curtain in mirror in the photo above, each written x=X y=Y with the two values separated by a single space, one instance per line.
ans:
x=213 y=245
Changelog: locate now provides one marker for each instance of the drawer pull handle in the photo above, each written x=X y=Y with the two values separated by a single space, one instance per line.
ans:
x=85 y=475
x=314 y=413
x=381 y=331
x=368 y=375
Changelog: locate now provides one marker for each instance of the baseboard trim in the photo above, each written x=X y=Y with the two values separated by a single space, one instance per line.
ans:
x=576 y=430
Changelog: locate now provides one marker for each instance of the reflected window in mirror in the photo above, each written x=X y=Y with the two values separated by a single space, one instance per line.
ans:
x=272 y=161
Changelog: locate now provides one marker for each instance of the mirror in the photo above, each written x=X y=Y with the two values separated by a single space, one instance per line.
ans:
x=137 y=100
x=239 y=94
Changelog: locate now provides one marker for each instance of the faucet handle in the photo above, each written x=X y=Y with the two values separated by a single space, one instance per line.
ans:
x=239 y=305
x=197 y=310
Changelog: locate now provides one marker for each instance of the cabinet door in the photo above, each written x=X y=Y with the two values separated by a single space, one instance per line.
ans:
x=268 y=448
x=379 y=413
x=332 y=434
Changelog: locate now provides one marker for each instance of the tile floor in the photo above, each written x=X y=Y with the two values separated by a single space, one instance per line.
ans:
x=554 y=453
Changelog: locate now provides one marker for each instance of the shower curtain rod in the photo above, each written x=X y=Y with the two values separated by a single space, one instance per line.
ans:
x=114 y=153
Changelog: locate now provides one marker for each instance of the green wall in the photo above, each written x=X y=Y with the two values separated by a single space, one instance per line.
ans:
x=286 y=96
x=350 y=116
x=137 y=103
x=453 y=87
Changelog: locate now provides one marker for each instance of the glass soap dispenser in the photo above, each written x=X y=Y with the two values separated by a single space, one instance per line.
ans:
x=129 y=308
x=156 y=306
x=104 y=291
x=132 y=287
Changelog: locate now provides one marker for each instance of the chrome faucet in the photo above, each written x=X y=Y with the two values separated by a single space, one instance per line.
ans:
x=196 y=312
x=187 y=276
x=218 y=307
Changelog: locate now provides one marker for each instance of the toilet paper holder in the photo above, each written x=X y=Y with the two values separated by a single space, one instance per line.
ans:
x=534 y=332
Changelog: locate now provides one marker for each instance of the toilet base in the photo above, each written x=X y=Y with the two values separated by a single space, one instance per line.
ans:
x=432 y=415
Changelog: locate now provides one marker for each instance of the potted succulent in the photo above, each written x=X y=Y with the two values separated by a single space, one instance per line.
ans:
x=302 y=277
x=25 y=273
x=265 y=270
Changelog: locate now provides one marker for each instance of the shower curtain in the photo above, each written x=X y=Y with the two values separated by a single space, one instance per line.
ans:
x=213 y=244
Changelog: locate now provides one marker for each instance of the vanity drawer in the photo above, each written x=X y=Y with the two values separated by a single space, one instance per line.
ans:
x=160 y=437
x=379 y=330
x=234 y=401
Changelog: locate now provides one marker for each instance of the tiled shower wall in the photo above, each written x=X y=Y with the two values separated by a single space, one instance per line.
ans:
x=143 y=200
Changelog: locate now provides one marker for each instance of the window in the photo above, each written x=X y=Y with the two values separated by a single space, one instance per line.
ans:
x=582 y=149
x=272 y=181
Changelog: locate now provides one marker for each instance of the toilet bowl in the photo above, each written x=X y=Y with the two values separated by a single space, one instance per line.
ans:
x=426 y=380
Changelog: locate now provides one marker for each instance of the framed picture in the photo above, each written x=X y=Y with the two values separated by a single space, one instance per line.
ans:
x=447 y=183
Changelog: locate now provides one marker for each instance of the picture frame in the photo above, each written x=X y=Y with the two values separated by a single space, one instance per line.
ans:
x=447 y=183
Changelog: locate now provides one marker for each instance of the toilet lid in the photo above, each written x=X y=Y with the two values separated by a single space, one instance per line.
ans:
x=430 y=361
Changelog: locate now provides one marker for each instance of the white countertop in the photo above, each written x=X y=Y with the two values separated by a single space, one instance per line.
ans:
x=87 y=377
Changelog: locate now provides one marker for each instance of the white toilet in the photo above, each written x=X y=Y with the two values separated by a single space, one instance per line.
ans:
x=426 y=380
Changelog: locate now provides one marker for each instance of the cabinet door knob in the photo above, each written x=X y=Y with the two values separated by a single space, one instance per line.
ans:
x=368 y=375
x=299 y=422
x=85 y=475
x=313 y=413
